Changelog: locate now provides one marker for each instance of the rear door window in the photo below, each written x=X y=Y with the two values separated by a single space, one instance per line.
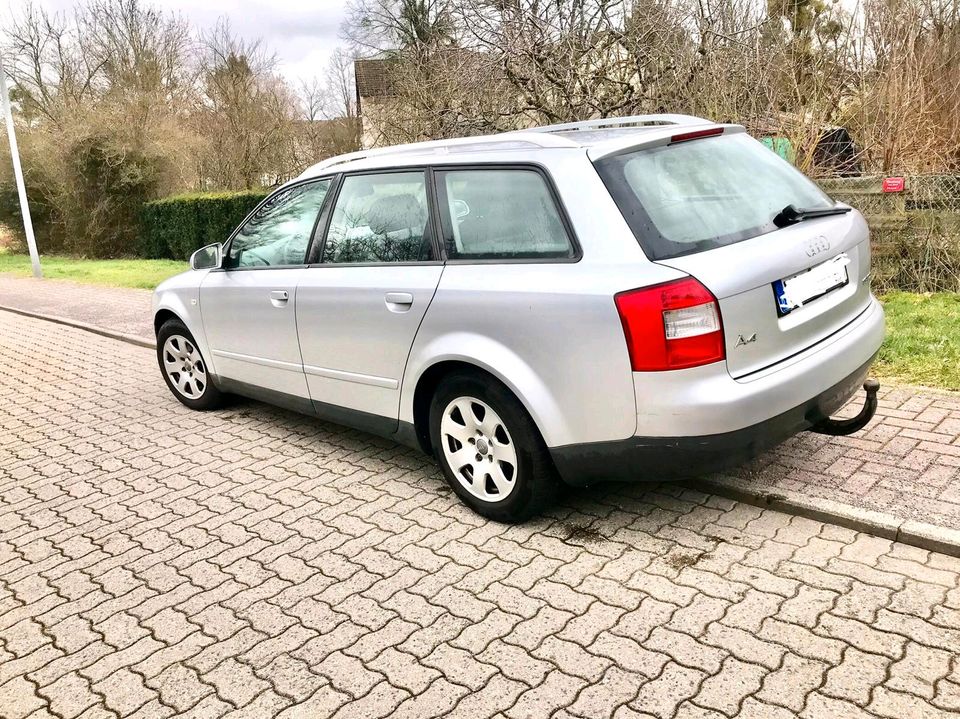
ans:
x=500 y=214
x=380 y=218
x=706 y=193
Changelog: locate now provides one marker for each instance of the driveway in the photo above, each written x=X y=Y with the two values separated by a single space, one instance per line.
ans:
x=251 y=562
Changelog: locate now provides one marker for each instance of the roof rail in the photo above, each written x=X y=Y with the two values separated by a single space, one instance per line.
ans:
x=505 y=140
x=514 y=139
x=642 y=120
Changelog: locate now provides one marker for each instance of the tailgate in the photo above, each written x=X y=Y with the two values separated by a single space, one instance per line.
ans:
x=743 y=275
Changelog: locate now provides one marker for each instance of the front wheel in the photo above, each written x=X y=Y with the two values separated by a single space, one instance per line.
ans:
x=184 y=369
x=489 y=449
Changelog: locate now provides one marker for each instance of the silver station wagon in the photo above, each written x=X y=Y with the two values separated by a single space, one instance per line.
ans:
x=631 y=299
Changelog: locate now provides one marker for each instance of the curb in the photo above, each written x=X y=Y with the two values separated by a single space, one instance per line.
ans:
x=931 y=537
x=130 y=339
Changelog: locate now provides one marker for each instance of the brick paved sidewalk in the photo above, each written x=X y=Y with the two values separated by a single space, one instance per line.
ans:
x=117 y=309
x=906 y=462
x=250 y=562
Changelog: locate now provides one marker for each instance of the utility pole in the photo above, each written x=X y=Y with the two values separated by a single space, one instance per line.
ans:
x=18 y=173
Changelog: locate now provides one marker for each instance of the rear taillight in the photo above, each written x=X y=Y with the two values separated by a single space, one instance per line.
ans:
x=671 y=326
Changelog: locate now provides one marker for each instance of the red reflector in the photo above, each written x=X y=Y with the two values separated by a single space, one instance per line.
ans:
x=696 y=135
x=660 y=338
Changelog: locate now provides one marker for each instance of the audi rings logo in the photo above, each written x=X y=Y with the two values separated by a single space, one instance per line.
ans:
x=817 y=245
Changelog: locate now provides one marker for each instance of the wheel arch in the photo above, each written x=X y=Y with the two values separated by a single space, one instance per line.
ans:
x=423 y=393
x=163 y=315
x=430 y=378
x=182 y=304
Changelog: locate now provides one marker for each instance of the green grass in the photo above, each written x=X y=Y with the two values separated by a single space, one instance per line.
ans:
x=923 y=339
x=142 y=274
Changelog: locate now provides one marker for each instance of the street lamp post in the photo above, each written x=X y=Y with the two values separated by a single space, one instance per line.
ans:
x=18 y=173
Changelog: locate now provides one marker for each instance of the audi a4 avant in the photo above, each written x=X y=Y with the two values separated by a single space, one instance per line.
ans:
x=639 y=298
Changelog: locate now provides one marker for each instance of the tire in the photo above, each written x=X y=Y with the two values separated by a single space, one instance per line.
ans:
x=184 y=369
x=488 y=486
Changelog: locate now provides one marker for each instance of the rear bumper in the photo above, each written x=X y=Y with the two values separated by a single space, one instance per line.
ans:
x=716 y=422
x=658 y=458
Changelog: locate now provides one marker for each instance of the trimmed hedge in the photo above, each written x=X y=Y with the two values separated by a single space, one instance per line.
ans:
x=174 y=227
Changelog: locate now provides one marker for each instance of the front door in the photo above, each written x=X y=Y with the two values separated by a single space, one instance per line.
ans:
x=359 y=308
x=249 y=306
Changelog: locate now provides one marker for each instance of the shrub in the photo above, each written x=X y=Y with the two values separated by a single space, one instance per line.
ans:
x=174 y=227
x=39 y=195
x=85 y=189
x=109 y=183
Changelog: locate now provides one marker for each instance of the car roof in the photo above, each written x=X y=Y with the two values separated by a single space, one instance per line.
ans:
x=594 y=135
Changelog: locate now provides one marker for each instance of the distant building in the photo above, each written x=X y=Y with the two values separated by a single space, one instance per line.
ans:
x=373 y=90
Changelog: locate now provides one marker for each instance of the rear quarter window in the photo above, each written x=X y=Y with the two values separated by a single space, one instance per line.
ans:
x=703 y=194
x=501 y=213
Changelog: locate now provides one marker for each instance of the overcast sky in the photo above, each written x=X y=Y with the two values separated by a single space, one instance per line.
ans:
x=302 y=34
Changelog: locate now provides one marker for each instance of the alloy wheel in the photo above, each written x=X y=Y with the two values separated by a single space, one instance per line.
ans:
x=479 y=449
x=184 y=366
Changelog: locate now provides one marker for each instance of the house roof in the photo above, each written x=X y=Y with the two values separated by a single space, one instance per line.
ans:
x=371 y=77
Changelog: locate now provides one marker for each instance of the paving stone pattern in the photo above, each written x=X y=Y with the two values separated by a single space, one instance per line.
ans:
x=905 y=463
x=157 y=562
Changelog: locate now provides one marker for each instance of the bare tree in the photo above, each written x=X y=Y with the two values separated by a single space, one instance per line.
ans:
x=103 y=92
x=906 y=107
x=246 y=114
x=329 y=123
x=379 y=26
x=52 y=75
x=313 y=98
x=588 y=58
x=340 y=88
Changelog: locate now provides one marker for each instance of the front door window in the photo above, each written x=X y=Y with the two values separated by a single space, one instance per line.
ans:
x=279 y=231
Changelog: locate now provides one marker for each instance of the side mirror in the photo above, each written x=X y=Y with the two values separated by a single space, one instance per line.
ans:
x=207 y=258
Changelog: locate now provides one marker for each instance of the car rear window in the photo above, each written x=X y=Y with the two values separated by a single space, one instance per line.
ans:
x=706 y=193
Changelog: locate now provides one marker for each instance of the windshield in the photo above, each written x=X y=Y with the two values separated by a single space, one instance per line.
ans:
x=702 y=194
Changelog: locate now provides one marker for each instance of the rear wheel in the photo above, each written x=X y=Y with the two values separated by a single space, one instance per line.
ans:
x=489 y=449
x=184 y=369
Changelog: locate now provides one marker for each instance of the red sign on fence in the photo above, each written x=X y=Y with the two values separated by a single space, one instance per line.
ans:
x=893 y=184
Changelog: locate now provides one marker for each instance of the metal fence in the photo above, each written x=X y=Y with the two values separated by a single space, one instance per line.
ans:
x=915 y=233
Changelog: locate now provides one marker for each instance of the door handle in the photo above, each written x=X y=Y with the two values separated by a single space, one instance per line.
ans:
x=399 y=298
x=398 y=301
x=278 y=298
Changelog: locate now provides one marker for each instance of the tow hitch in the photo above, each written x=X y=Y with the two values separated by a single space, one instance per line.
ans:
x=838 y=427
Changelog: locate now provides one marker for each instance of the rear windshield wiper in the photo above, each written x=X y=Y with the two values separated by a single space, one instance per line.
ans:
x=790 y=215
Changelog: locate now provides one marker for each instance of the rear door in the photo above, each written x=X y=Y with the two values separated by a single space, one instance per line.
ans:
x=744 y=279
x=707 y=205
x=360 y=304
x=248 y=306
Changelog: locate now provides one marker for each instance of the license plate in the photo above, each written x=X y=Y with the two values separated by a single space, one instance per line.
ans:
x=805 y=287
